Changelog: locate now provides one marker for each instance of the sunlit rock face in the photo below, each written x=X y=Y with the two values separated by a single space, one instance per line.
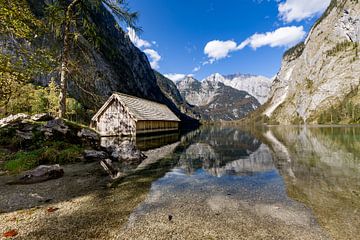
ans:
x=322 y=73
x=321 y=168
x=215 y=100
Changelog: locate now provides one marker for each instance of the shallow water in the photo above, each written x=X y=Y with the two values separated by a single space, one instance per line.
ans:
x=228 y=183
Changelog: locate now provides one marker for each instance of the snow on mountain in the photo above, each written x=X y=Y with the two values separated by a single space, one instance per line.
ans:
x=215 y=100
x=257 y=86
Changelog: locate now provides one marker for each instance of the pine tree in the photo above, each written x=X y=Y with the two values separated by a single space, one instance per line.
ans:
x=76 y=18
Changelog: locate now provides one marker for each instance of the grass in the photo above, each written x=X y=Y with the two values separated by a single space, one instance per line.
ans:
x=54 y=153
x=18 y=155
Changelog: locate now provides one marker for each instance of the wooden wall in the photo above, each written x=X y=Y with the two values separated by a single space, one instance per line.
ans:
x=116 y=121
x=156 y=126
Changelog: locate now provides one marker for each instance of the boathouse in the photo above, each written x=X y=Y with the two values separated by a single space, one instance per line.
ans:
x=123 y=114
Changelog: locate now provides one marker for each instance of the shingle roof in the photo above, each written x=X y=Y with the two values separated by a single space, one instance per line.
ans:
x=142 y=109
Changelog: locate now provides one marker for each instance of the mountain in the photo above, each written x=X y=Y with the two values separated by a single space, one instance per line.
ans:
x=110 y=63
x=257 y=86
x=215 y=100
x=170 y=90
x=319 y=79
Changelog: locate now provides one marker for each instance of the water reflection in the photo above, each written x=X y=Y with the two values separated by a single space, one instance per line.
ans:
x=224 y=185
x=321 y=167
x=287 y=183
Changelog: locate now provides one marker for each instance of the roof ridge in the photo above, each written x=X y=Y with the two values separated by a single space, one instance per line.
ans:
x=143 y=99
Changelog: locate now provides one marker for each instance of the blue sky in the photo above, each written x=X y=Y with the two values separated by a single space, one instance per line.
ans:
x=201 y=37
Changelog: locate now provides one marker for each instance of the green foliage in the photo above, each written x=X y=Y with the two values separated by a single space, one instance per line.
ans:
x=309 y=84
x=21 y=61
x=347 y=111
x=343 y=46
x=22 y=161
x=294 y=52
x=33 y=99
x=53 y=153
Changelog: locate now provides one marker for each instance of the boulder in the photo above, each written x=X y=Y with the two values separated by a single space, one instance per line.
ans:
x=57 y=125
x=93 y=155
x=127 y=152
x=27 y=135
x=42 y=117
x=89 y=136
x=13 y=119
x=40 y=174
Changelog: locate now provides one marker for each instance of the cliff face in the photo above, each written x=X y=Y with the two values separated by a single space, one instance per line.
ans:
x=323 y=73
x=114 y=65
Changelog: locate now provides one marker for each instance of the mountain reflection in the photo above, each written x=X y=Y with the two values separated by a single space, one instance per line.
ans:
x=321 y=167
x=225 y=151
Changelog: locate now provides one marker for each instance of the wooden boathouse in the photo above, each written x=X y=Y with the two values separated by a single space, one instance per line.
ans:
x=123 y=114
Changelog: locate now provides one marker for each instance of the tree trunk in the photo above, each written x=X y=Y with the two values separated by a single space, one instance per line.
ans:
x=65 y=58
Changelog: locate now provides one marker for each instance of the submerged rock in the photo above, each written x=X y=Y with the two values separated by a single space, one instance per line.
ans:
x=40 y=174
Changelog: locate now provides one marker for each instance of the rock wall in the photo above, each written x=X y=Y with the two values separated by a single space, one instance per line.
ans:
x=323 y=71
x=113 y=65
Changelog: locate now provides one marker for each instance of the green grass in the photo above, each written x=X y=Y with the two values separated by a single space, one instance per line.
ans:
x=22 y=161
x=51 y=153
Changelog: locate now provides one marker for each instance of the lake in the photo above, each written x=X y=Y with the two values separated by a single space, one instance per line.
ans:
x=215 y=182
x=277 y=182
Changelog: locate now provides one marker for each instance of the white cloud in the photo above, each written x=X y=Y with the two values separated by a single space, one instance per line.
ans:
x=175 y=77
x=281 y=37
x=140 y=43
x=154 y=57
x=216 y=49
x=297 y=10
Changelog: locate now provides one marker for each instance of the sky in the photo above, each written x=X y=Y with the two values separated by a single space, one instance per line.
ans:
x=202 y=37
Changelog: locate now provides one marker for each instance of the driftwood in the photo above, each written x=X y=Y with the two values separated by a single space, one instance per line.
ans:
x=109 y=167
x=40 y=174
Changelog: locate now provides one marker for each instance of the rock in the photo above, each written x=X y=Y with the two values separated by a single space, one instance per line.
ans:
x=111 y=169
x=24 y=135
x=89 y=136
x=322 y=73
x=127 y=152
x=94 y=155
x=57 y=125
x=13 y=119
x=42 y=117
x=40 y=174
